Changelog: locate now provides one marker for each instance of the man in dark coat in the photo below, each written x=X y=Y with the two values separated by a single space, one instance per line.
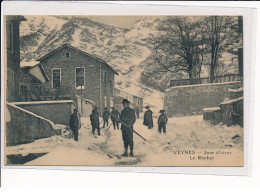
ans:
x=127 y=119
x=105 y=117
x=94 y=118
x=75 y=124
x=162 y=121
x=137 y=112
x=115 y=115
x=148 y=118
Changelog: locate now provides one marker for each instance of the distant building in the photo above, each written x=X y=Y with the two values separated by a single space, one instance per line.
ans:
x=135 y=101
x=18 y=80
x=87 y=79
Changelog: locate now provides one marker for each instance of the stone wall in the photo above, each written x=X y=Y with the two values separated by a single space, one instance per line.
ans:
x=25 y=126
x=232 y=111
x=56 y=111
x=190 y=100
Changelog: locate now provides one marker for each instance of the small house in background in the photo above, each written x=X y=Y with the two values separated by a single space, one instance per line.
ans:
x=79 y=76
x=135 y=101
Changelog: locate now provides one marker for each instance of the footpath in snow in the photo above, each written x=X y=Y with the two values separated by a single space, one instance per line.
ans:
x=186 y=133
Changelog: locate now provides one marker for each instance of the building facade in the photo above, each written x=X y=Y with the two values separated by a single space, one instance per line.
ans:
x=84 y=78
x=135 y=101
x=16 y=81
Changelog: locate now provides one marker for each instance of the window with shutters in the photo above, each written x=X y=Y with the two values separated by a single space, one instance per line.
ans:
x=80 y=78
x=56 y=77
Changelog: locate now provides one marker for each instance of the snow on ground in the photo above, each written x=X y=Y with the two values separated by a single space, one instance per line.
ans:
x=182 y=133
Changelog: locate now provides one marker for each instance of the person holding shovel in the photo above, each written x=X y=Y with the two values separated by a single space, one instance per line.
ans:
x=127 y=119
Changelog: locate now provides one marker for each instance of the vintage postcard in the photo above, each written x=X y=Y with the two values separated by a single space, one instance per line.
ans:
x=124 y=90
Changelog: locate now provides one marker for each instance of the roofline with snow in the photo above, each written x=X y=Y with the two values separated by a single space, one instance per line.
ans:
x=44 y=102
x=198 y=85
x=76 y=49
x=41 y=69
x=129 y=93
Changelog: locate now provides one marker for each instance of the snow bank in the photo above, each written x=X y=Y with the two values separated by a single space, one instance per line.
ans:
x=198 y=85
x=211 y=109
x=182 y=133
x=232 y=101
x=236 y=90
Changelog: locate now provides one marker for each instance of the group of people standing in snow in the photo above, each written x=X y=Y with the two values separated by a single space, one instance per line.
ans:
x=127 y=118
x=162 y=120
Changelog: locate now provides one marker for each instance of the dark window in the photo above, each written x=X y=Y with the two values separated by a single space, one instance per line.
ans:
x=9 y=34
x=79 y=76
x=240 y=24
x=67 y=55
x=105 y=76
x=56 y=76
x=240 y=60
x=111 y=88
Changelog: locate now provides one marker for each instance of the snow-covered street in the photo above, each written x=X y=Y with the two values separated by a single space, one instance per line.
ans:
x=185 y=133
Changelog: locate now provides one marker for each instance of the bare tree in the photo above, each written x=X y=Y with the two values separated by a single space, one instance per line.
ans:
x=222 y=32
x=182 y=45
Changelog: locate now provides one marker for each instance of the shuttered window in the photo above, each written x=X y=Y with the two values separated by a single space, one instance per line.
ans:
x=80 y=77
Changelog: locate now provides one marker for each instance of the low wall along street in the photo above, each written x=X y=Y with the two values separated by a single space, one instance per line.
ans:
x=190 y=100
x=24 y=126
x=57 y=111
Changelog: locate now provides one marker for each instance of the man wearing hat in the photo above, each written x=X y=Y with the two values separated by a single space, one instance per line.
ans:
x=105 y=117
x=162 y=121
x=127 y=118
x=75 y=123
x=115 y=115
x=94 y=118
x=148 y=118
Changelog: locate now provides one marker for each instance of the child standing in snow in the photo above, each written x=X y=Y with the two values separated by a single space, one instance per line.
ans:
x=162 y=121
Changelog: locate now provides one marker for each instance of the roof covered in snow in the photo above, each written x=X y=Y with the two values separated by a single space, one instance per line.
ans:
x=44 y=102
x=122 y=90
x=28 y=63
x=198 y=85
x=232 y=101
x=87 y=100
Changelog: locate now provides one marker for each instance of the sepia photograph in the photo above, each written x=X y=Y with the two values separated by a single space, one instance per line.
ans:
x=123 y=90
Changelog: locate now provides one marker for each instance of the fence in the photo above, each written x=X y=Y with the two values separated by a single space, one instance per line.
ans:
x=217 y=79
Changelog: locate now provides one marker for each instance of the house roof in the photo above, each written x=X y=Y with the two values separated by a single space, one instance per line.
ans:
x=76 y=49
x=27 y=69
x=28 y=63
x=129 y=93
x=16 y=17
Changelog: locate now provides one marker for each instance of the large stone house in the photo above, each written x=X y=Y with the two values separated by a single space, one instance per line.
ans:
x=86 y=79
